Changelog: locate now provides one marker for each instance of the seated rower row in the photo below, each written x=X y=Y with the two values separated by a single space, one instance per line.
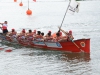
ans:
x=39 y=36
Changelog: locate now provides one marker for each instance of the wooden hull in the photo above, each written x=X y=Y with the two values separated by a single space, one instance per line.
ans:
x=76 y=46
x=79 y=45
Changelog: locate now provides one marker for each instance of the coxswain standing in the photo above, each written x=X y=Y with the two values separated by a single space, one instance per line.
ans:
x=4 y=27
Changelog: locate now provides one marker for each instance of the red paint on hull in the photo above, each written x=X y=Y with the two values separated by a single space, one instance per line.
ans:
x=75 y=46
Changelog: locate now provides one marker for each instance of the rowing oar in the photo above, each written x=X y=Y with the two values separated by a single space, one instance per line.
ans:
x=3 y=48
x=9 y=50
x=77 y=46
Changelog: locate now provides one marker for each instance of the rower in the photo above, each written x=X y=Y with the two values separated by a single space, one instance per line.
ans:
x=21 y=35
x=12 y=35
x=29 y=35
x=38 y=36
x=34 y=33
x=68 y=35
x=58 y=37
x=48 y=36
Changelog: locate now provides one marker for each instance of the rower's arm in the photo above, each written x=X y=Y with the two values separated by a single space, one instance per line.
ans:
x=63 y=31
x=1 y=23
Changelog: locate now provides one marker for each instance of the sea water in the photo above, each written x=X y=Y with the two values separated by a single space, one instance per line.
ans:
x=48 y=15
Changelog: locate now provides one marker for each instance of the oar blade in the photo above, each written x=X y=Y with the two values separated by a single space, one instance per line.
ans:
x=8 y=50
x=1 y=48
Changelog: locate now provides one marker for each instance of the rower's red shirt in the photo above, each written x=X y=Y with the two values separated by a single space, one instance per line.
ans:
x=4 y=26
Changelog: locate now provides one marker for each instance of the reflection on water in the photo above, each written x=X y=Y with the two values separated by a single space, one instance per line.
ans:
x=79 y=56
x=60 y=63
x=63 y=56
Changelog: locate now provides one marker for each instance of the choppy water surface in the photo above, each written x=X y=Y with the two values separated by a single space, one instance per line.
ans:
x=48 y=15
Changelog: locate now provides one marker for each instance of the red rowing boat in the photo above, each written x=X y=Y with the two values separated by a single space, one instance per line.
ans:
x=75 y=46
x=79 y=45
